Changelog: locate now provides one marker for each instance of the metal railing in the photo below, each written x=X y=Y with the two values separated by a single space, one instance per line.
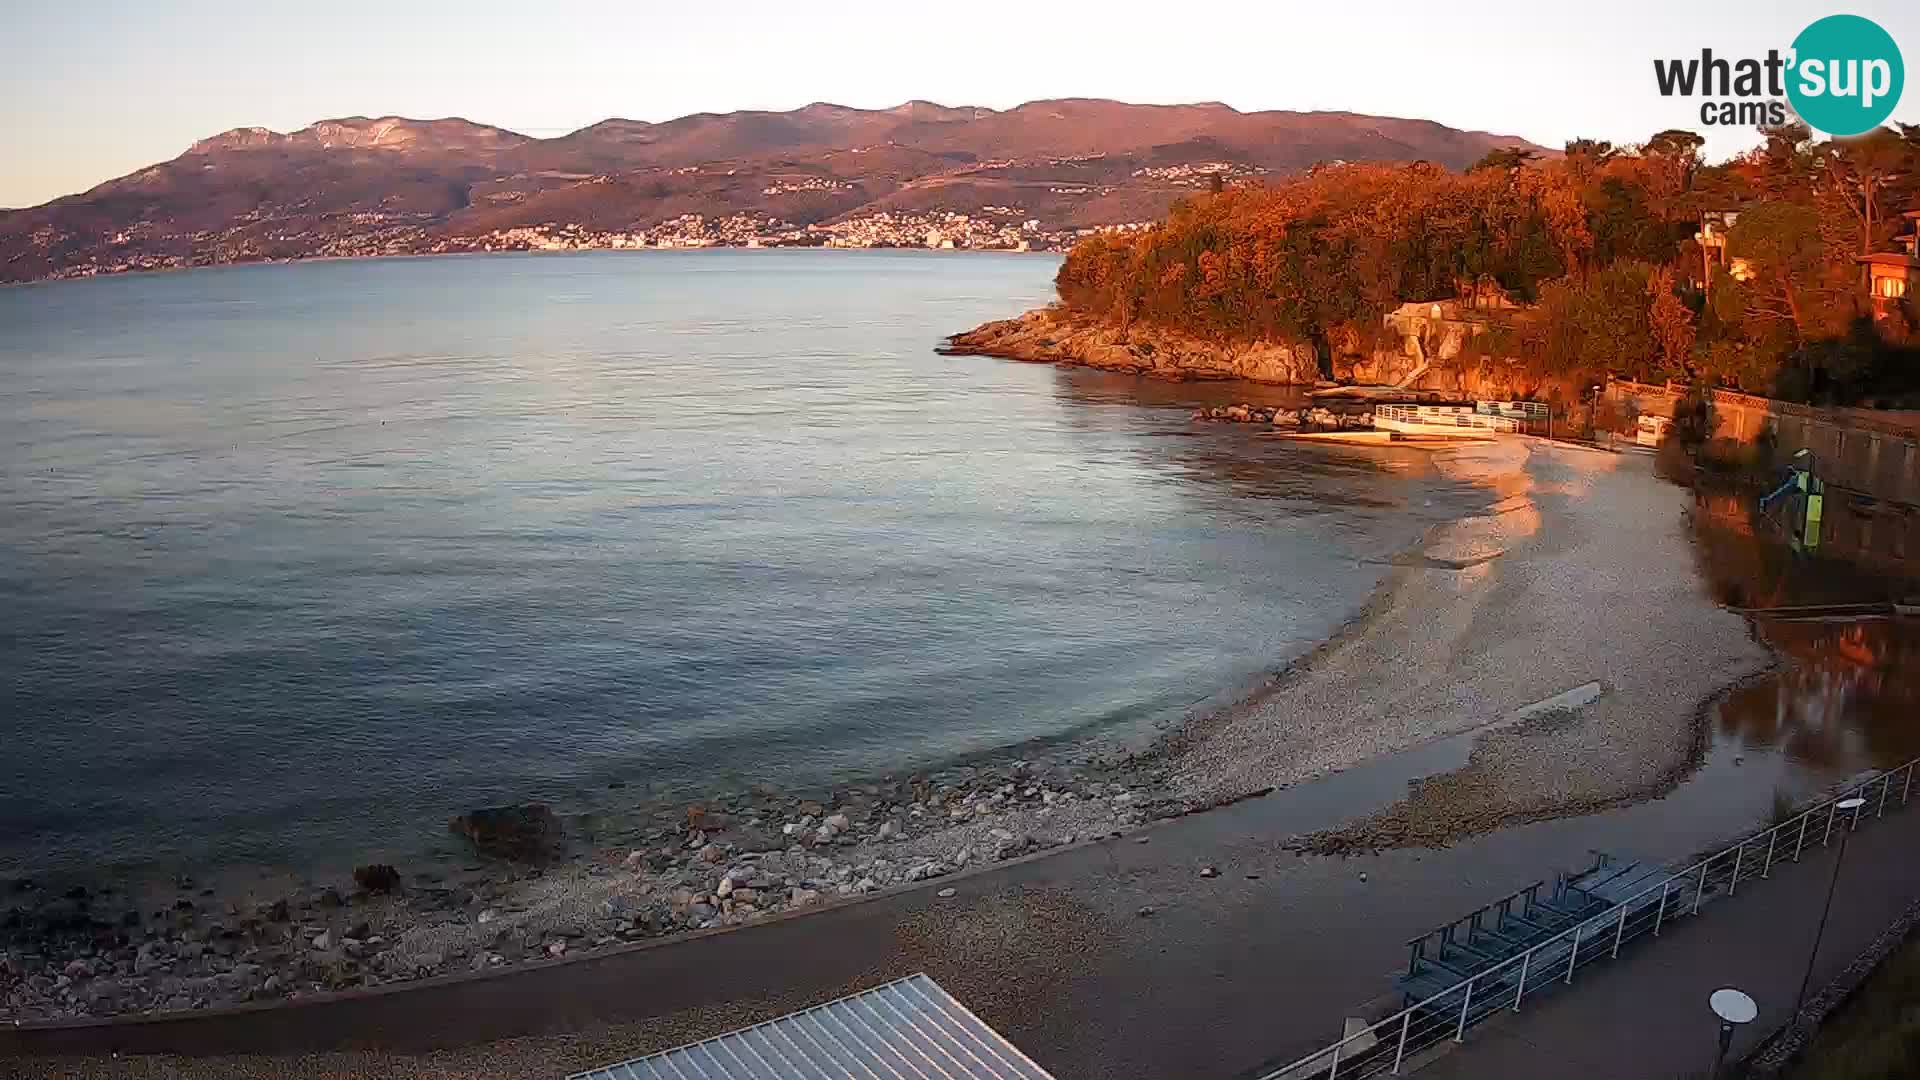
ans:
x=1531 y=411
x=1384 y=1048
x=1418 y=418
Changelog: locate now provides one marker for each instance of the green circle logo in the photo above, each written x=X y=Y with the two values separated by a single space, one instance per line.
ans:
x=1846 y=75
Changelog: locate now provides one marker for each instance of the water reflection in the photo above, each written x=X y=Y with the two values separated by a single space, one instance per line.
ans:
x=1232 y=460
x=1846 y=697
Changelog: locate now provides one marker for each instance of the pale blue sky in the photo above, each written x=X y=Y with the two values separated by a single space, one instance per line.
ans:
x=95 y=90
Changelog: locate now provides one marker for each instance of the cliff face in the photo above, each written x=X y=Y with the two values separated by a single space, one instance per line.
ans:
x=1052 y=336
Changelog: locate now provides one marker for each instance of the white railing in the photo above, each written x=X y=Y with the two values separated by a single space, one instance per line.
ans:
x=1385 y=1047
x=1457 y=418
x=1533 y=411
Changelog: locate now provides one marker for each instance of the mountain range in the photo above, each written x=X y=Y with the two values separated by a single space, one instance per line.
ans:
x=1033 y=175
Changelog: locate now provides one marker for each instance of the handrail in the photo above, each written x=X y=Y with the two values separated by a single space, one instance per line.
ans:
x=1614 y=918
x=1445 y=416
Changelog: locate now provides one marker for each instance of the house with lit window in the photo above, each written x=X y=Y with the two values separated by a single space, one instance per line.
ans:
x=1892 y=275
x=1715 y=226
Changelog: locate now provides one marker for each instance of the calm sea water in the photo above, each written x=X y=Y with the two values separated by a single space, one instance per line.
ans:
x=298 y=559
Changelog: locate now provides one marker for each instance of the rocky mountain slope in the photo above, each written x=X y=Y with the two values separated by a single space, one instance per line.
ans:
x=1026 y=176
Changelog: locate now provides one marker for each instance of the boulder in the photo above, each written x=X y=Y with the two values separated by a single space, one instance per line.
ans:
x=377 y=878
x=527 y=833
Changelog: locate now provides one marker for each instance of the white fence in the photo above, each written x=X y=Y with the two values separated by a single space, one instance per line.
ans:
x=1456 y=420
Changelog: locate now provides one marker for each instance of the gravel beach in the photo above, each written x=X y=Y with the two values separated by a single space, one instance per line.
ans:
x=1582 y=572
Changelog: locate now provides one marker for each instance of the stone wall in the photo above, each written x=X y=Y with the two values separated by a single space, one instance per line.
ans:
x=1869 y=461
x=1876 y=454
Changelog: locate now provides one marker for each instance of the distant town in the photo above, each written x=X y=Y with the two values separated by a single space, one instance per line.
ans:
x=994 y=229
x=1039 y=177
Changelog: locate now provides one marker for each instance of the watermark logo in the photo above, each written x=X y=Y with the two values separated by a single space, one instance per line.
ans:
x=1843 y=76
x=1848 y=75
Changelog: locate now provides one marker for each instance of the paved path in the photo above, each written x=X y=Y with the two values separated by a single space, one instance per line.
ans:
x=1645 y=1015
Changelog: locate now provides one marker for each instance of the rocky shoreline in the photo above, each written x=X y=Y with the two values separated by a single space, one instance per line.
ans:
x=1053 y=335
x=1333 y=416
x=81 y=952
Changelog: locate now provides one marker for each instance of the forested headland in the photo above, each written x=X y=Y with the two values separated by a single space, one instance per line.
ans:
x=1640 y=261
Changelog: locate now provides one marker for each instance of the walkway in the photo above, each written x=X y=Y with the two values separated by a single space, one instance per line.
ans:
x=1645 y=1015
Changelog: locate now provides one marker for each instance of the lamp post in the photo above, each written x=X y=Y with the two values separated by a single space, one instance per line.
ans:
x=1852 y=805
x=1733 y=1008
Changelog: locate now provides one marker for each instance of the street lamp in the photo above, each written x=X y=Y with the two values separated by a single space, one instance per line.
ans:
x=1733 y=1008
x=1853 y=804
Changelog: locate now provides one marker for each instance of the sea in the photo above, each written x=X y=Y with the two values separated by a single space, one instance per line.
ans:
x=300 y=560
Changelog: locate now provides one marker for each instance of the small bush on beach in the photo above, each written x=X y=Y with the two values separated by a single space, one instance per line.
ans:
x=1746 y=461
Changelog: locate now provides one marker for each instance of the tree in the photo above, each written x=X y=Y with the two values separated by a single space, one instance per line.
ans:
x=1674 y=157
x=1676 y=144
x=1622 y=318
x=1585 y=156
x=1790 y=279
x=1504 y=158
x=1670 y=321
x=1863 y=174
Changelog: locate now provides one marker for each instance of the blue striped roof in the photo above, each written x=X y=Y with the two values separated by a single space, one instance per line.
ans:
x=909 y=1029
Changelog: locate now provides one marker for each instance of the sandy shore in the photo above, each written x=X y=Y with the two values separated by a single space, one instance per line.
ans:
x=1581 y=572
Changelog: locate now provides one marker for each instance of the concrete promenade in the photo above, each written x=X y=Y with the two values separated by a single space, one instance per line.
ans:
x=1645 y=1016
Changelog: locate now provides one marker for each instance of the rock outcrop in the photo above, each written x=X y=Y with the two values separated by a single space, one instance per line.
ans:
x=529 y=833
x=1054 y=336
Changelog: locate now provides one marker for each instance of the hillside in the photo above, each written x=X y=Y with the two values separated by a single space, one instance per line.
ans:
x=918 y=173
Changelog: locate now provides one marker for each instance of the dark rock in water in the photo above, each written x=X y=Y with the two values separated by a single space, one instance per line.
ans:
x=278 y=912
x=528 y=833
x=377 y=878
x=330 y=897
x=62 y=916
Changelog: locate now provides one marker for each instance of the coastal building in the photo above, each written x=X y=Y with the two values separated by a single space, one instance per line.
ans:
x=1715 y=225
x=1890 y=275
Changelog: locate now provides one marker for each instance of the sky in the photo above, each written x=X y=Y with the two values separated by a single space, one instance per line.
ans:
x=96 y=90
